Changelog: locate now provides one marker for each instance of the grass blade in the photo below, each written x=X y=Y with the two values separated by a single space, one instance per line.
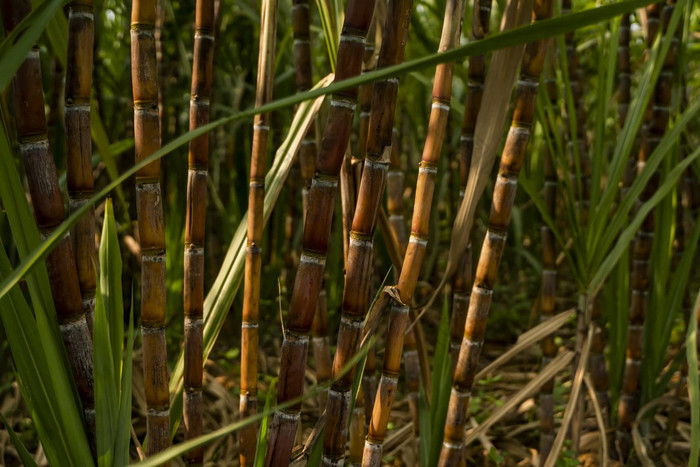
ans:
x=24 y=455
x=262 y=435
x=43 y=377
x=628 y=234
x=123 y=431
x=180 y=449
x=442 y=384
x=14 y=48
x=539 y=30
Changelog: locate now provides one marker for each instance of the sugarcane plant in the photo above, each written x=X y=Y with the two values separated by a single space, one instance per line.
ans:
x=581 y=197
x=317 y=225
x=587 y=254
x=461 y=285
x=197 y=172
x=356 y=293
x=402 y=294
x=151 y=228
x=79 y=57
x=256 y=195
x=492 y=250
x=49 y=212
x=549 y=283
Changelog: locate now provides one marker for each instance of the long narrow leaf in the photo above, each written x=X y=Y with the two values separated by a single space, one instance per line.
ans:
x=24 y=455
x=313 y=391
x=14 y=48
x=525 y=34
x=43 y=381
x=627 y=235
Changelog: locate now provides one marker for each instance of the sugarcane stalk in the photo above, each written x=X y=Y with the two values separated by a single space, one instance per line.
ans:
x=197 y=173
x=395 y=187
x=49 y=211
x=321 y=347
x=348 y=199
x=81 y=31
x=582 y=186
x=494 y=243
x=158 y=33
x=309 y=277
x=357 y=430
x=253 y=263
x=149 y=202
x=358 y=274
x=462 y=282
x=656 y=121
x=369 y=387
x=548 y=290
x=415 y=253
x=624 y=92
x=364 y=101
x=412 y=372
x=582 y=190
x=304 y=82
x=307 y=162
x=394 y=193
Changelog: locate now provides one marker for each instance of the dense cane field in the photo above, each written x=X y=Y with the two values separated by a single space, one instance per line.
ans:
x=381 y=232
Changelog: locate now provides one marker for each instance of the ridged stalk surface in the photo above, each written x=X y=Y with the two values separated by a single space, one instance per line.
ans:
x=149 y=208
x=253 y=259
x=197 y=172
x=81 y=31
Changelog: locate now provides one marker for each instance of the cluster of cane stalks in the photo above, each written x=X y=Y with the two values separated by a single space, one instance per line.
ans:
x=356 y=149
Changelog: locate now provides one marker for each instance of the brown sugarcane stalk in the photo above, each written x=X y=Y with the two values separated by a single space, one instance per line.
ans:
x=395 y=187
x=348 y=199
x=494 y=243
x=253 y=260
x=307 y=162
x=321 y=347
x=548 y=291
x=415 y=253
x=162 y=77
x=582 y=187
x=364 y=102
x=624 y=92
x=304 y=81
x=197 y=172
x=149 y=202
x=309 y=277
x=656 y=120
x=369 y=386
x=624 y=70
x=306 y=158
x=49 y=213
x=81 y=30
x=358 y=274
x=394 y=194
x=597 y=364
x=412 y=370
x=357 y=430
x=462 y=282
